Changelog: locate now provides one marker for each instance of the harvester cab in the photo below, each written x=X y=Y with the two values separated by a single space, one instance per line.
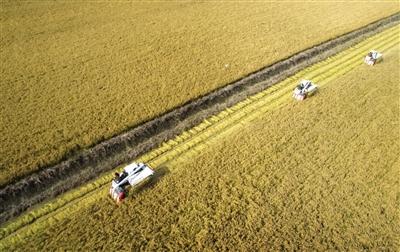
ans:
x=305 y=89
x=373 y=57
x=132 y=175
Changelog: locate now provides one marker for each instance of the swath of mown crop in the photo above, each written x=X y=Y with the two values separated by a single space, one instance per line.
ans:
x=319 y=174
x=75 y=73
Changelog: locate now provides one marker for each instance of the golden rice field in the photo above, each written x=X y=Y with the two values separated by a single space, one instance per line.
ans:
x=75 y=73
x=315 y=175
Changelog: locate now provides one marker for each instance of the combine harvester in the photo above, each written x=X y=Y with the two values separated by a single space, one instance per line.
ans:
x=132 y=175
x=305 y=89
x=373 y=57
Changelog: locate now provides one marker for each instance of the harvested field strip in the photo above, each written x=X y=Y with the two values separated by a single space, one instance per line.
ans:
x=190 y=141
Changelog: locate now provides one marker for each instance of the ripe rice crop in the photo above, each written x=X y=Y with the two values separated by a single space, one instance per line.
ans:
x=319 y=174
x=75 y=73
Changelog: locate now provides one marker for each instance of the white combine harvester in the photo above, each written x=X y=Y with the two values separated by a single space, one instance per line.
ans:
x=373 y=57
x=132 y=175
x=305 y=89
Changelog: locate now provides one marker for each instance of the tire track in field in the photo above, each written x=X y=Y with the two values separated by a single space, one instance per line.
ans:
x=192 y=141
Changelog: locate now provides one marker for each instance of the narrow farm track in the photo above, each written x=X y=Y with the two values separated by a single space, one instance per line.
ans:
x=195 y=140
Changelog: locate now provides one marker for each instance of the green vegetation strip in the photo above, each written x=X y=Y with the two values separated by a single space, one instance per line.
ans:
x=194 y=139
